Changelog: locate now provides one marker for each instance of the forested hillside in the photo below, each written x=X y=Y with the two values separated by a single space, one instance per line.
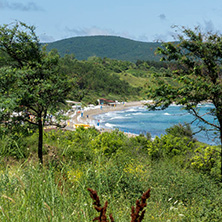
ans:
x=106 y=46
x=94 y=80
x=109 y=78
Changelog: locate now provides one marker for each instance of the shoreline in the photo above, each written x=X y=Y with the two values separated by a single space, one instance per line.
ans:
x=86 y=116
x=92 y=120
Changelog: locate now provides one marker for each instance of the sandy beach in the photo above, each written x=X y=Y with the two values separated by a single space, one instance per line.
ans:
x=86 y=116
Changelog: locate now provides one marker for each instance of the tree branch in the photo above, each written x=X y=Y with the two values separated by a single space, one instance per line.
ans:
x=202 y=119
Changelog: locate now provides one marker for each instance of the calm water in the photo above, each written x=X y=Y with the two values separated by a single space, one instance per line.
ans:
x=139 y=120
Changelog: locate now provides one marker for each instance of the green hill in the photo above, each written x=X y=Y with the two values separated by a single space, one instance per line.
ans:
x=106 y=46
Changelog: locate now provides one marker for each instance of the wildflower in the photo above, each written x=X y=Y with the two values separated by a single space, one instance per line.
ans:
x=173 y=208
x=175 y=202
x=181 y=215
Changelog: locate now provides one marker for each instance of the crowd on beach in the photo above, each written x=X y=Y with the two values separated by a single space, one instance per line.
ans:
x=85 y=116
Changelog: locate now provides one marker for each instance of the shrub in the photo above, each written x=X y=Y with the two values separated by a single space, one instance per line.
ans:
x=180 y=130
x=154 y=148
x=13 y=140
x=207 y=160
x=169 y=145
x=136 y=146
x=119 y=179
x=13 y=145
x=109 y=143
x=74 y=145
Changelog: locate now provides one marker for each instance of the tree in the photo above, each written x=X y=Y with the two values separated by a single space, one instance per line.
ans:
x=31 y=86
x=196 y=76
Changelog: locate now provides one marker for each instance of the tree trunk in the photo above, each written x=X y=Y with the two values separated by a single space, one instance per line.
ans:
x=219 y=117
x=221 y=154
x=40 y=142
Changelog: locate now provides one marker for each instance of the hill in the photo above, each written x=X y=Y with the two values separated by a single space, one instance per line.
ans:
x=112 y=47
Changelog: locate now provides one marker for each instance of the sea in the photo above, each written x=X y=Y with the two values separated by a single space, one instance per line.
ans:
x=139 y=120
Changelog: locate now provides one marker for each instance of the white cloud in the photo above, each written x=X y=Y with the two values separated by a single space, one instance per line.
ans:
x=208 y=27
x=46 y=38
x=165 y=37
x=30 y=6
x=93 y=31
x=87 y=31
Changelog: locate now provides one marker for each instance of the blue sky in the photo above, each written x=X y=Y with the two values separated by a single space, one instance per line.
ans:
x=143 y=20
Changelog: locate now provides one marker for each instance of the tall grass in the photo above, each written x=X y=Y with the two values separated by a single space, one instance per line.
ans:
x=30 y=193
x=120 y=172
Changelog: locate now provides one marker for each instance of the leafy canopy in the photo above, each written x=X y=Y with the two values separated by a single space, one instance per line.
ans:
x=31 y=81
x=195 y=77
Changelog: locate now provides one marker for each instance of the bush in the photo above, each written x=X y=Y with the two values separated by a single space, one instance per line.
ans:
x=109 y=143
x=118 y=179
x=74 y=145
x=207 y=159
x=180 y=130
x=13 y=145
x=13 y=140
x=169 y=145
x=136 y=146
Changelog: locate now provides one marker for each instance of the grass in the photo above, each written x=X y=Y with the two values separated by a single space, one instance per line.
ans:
x=30 y=193
x=133 y=80
x=58 y=190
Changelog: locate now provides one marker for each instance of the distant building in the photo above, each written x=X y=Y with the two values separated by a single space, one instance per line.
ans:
x=103 y=101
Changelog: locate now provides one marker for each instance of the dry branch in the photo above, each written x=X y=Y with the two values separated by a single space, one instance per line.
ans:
x=135 y=215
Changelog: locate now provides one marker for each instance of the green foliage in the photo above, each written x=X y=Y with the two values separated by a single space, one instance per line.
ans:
x=178 y=141
x=74 y=146
x=13 y=145
x=169 y=145
x=207 y=159
x=61 y=195
x=96 y=79
x=120 y=169
x=35 y=86
x=120 y=180
x=140 y=141
x=183 y=192
x=106 y=47
x=13 y=142
x=110 y=78
x=154 y=65
x=195 y=77
x=180 y=130
x=109 y=143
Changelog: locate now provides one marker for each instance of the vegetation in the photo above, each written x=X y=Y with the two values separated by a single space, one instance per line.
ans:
x=95 y=78
x=35 y=84
x=196 y=77
x=183 y=174
x=184 y=184
x=135 y=215
x=31 y=87
x=113 y=79
x=112 y=47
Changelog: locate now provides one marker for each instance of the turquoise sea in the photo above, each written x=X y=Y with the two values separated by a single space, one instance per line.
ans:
x=139 y=120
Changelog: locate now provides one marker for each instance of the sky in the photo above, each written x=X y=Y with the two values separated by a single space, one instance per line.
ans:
x=141 y=20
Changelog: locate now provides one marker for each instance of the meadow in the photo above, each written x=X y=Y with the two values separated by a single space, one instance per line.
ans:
x=183 y=176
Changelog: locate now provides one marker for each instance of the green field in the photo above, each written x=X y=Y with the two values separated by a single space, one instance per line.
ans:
x=119 y=168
